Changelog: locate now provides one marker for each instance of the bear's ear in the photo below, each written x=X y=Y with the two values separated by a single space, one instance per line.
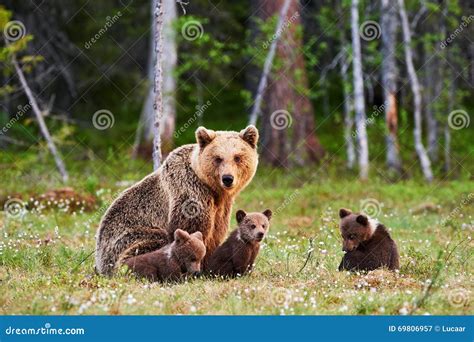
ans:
x=204 y=136
x=240 y=215
x=180 y=236
x=363 y=220
x=268 y=213
x=198 y=235
x=250 y=135
x=344 y=212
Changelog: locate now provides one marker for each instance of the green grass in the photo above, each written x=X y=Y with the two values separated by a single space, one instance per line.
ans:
x=46 y=260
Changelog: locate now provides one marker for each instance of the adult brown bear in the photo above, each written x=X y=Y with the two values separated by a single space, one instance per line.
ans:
x=193 y=190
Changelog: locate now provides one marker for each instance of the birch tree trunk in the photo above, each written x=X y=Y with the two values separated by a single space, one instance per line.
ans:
x=447 y=132
x=415 y=85
x=158 y=83
x=39 y=117
x=348 y=119
x=389 y=25
x=344 y=64
x=359 y=101
x=433 y=91
x=262 y=85
x=145 y=130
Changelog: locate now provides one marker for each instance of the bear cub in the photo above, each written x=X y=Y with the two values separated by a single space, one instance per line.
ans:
x=367 y=244
x=237 y=254
x=171 y=262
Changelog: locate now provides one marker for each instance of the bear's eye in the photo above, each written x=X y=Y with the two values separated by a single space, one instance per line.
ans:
x=193 y=259
x=218 y=160
x=352 y=237
x=237 y=159
x=253 y=226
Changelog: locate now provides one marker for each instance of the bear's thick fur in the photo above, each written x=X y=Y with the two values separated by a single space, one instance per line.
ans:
x=193 y=190
x=367 y=243
x=172 y=262
x=236 y=256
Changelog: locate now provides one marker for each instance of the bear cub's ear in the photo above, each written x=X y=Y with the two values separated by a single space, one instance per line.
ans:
x=198 y=235
x=268 y=214
x=180 y=236
x=240 y=215
x=250 y=135
x=344 y=212
x=204 y=136
x=363 y=220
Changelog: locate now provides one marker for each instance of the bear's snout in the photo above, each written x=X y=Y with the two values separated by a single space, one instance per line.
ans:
x=227 y=180
x=260 y=236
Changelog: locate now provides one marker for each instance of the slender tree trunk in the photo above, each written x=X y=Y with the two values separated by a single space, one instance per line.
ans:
x=158 y=83
x=359 y=102
x=170 y=58
x=415 y=85
x=344 y=65
x=447 y=132
x=389 y=25
x=348 y=119
x=262 y=85
x=451 y=97
x=432 y=91
x=39 y=117
x=145 y=129
x=288 y=135
x=436 y=104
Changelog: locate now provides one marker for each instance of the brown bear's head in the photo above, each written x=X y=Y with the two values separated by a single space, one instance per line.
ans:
x=226 y=160
x=355 y=228
x=188 y=250
x=253 y=226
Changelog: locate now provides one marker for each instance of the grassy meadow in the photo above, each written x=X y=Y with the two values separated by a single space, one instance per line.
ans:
x=46 y=247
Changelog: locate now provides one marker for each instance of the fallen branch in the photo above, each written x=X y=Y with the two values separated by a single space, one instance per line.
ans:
x=39 y=117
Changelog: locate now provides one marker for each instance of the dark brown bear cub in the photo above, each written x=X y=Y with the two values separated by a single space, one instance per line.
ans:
x=171 y=262
x=237 y=254
x=367 y=244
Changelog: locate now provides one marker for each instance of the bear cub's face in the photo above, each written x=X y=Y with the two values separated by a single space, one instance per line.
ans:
x=189 y=250
x=355 y=228
x=253 y=226
x=226 y=161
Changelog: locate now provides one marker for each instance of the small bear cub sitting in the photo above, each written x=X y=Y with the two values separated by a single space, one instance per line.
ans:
x=171 y=262
x=237 y=254
x=367 y=244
